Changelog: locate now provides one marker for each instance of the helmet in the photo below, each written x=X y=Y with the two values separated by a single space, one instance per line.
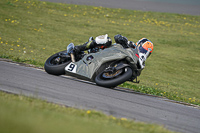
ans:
x=145 y=46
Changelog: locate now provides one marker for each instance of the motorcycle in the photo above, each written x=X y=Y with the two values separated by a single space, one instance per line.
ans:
x=108 y=68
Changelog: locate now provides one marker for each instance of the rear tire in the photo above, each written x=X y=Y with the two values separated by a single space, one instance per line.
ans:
x=56 y=69
x=112 y=82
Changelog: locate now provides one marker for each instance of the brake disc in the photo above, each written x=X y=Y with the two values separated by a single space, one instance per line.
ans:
x=111 y=74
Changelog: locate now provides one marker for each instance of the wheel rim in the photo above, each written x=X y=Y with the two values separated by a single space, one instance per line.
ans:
x=110 y=75
x=59 y=60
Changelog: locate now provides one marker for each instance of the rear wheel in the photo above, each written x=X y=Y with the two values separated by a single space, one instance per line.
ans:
x=112 y=78
x=56 y=63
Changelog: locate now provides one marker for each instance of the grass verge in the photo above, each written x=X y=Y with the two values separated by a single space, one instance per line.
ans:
x=31 y=31
x=20 y=114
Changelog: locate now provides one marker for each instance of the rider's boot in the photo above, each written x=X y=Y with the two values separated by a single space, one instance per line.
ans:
x=77 y=51
x=85 y=46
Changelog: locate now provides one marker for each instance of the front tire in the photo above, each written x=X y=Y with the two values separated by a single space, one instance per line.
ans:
x=124 y=75
x=57 y=68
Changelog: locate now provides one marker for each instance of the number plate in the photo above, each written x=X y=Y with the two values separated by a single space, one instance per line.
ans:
x=71 y=67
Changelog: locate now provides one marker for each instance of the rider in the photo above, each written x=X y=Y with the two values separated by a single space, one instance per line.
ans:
x=144 y=46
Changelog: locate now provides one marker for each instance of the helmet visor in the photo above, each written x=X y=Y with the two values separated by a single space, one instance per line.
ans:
x=144 y=51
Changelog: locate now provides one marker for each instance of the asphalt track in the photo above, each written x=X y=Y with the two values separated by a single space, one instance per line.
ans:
x=67 y=91
x=191 y=7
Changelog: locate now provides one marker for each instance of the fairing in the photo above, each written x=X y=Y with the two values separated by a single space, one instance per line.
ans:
x=86 y=67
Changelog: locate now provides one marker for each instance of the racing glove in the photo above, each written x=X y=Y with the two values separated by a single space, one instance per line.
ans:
x=121 y=40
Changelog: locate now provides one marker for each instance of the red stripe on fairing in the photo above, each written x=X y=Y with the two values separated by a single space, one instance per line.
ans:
x=137 y=55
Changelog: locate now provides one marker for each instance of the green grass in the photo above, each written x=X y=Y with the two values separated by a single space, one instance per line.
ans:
x=31 y=31
x=20 y=114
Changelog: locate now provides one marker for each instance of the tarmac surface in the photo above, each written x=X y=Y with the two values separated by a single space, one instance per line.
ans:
x=191 y=7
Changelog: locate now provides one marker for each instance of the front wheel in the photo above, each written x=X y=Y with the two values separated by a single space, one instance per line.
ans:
x=112 y=79
x=56 y=63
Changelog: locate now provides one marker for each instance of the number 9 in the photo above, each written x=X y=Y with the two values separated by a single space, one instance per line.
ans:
x=71 y=67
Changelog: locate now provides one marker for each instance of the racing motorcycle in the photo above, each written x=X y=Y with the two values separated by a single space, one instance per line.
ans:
x=108 y=68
